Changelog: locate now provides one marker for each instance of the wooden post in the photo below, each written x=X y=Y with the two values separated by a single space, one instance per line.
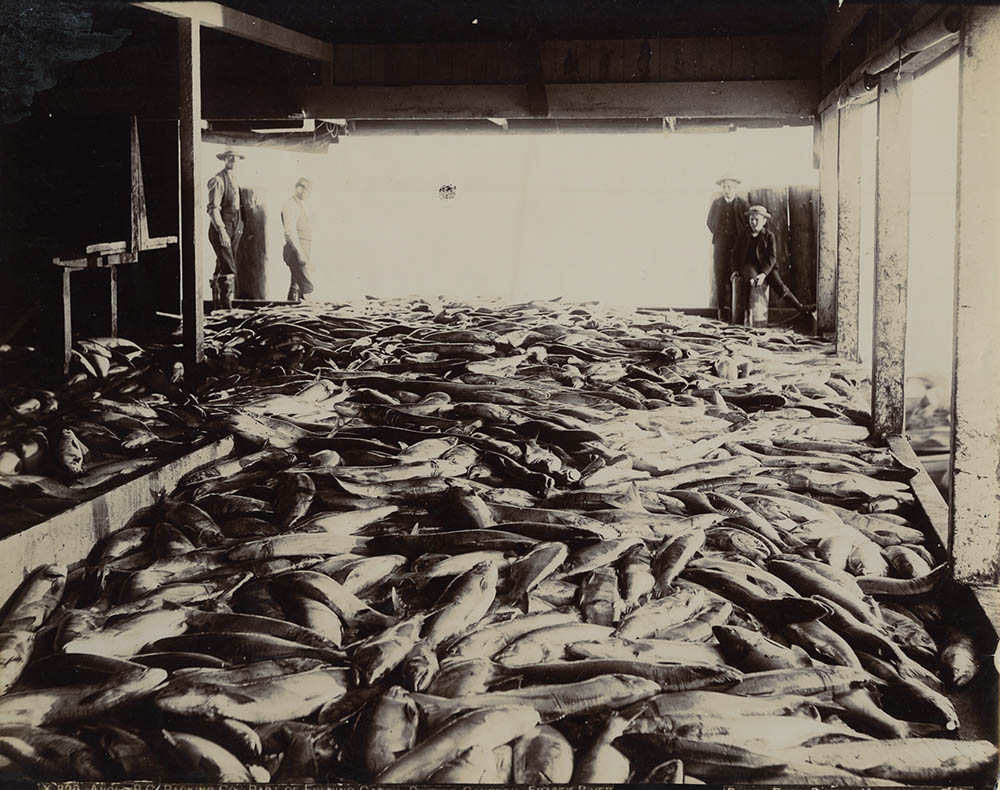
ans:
x=975 y=404
x=892 y=244
x=251 y=258
x=67 y=300
x=113 y=288
x=802 y=206
x=326 y=71
x=758 y=297
x=848 y=232
x=826 y=268
x=192 y=309
x=140 y=226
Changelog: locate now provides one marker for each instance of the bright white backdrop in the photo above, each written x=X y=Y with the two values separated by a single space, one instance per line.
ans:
x=619 y=218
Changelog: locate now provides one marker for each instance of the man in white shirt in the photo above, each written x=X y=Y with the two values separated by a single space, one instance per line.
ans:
x=298 y=240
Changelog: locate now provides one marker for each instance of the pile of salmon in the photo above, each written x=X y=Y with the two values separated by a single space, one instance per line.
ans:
x=535 y=543
x=120 y=411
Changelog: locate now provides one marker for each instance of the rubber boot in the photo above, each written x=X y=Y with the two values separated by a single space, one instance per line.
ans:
x=803 y=310
x=293 y=293
x=215 y=292
x=788 y=296
x=226 y=286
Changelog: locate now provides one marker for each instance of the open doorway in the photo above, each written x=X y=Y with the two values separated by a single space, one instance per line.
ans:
x=614 y=217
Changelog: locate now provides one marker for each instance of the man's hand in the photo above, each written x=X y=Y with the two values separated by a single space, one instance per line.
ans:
x=757 y=280
x=734 y=276
x=224 y=238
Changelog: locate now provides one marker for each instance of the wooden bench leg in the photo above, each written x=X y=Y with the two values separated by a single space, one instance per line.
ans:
x=113 y=275
x=67 y=319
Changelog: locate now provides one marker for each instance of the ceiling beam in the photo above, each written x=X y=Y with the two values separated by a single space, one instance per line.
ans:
x=260 y=31
x=839 y=26
x=772 y=99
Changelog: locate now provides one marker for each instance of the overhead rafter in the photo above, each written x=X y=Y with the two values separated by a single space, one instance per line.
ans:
x=932 y=31
x=839 y=27
x=775 y=99
x=260 y=31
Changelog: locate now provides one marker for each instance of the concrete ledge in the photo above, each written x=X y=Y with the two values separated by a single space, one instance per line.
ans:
x=928 y=495
x=986 y=621
x=989 y=599
x=68 y=537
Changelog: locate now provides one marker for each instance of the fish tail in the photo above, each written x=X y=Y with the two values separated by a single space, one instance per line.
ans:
x=518 y=600
x=920 y=729
x=375 y=619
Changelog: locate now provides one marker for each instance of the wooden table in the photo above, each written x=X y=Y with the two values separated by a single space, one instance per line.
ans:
x=111 y=255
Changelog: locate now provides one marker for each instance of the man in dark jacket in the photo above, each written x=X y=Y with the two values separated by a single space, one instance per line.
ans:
x=755 y=258
x=726 y=216
x=226 y=228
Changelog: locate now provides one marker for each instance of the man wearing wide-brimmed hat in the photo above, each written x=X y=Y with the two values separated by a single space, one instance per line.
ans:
x=726 y=216
x=226 y=228
x=755 y=257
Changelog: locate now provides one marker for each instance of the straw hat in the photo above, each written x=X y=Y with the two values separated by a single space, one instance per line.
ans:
x=759 y=210
x=228 y=153
x=728 y=177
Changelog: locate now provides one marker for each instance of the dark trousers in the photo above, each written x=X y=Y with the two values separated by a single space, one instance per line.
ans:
x=225 y=257
x=300 y=285
x=721 y=250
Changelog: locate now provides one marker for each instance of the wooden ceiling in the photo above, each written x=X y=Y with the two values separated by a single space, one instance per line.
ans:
x=398 y=21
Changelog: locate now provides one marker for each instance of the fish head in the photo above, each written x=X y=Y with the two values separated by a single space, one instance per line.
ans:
x=958 y=667
x=85 y=765
x=488 y=573
x=521 y=652
x=181 y=700
x=420 y=667
x=326 y=746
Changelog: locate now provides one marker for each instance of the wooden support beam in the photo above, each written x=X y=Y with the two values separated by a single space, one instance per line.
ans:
x=780 y=99
x=848 y=232
x=838 y=28
x=826 y=268
x=260 y=31
x=975 y=402
x=67 y=305
x=113 y=296
x=304 y=142
x=892 y=246
x=932 y=28
x=139 y=226
x=191 y=204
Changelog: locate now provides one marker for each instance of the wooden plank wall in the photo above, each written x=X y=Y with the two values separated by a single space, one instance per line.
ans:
x=251 y=258
x=802 y=243
x=613 y=61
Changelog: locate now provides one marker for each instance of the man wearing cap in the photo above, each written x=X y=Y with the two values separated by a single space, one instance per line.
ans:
x=226 y=229
x=755 y=258
x=726 y=216
x=298 y=240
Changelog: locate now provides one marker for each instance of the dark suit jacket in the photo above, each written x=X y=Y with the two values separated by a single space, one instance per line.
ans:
x=716 y=220
x=757 y=253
